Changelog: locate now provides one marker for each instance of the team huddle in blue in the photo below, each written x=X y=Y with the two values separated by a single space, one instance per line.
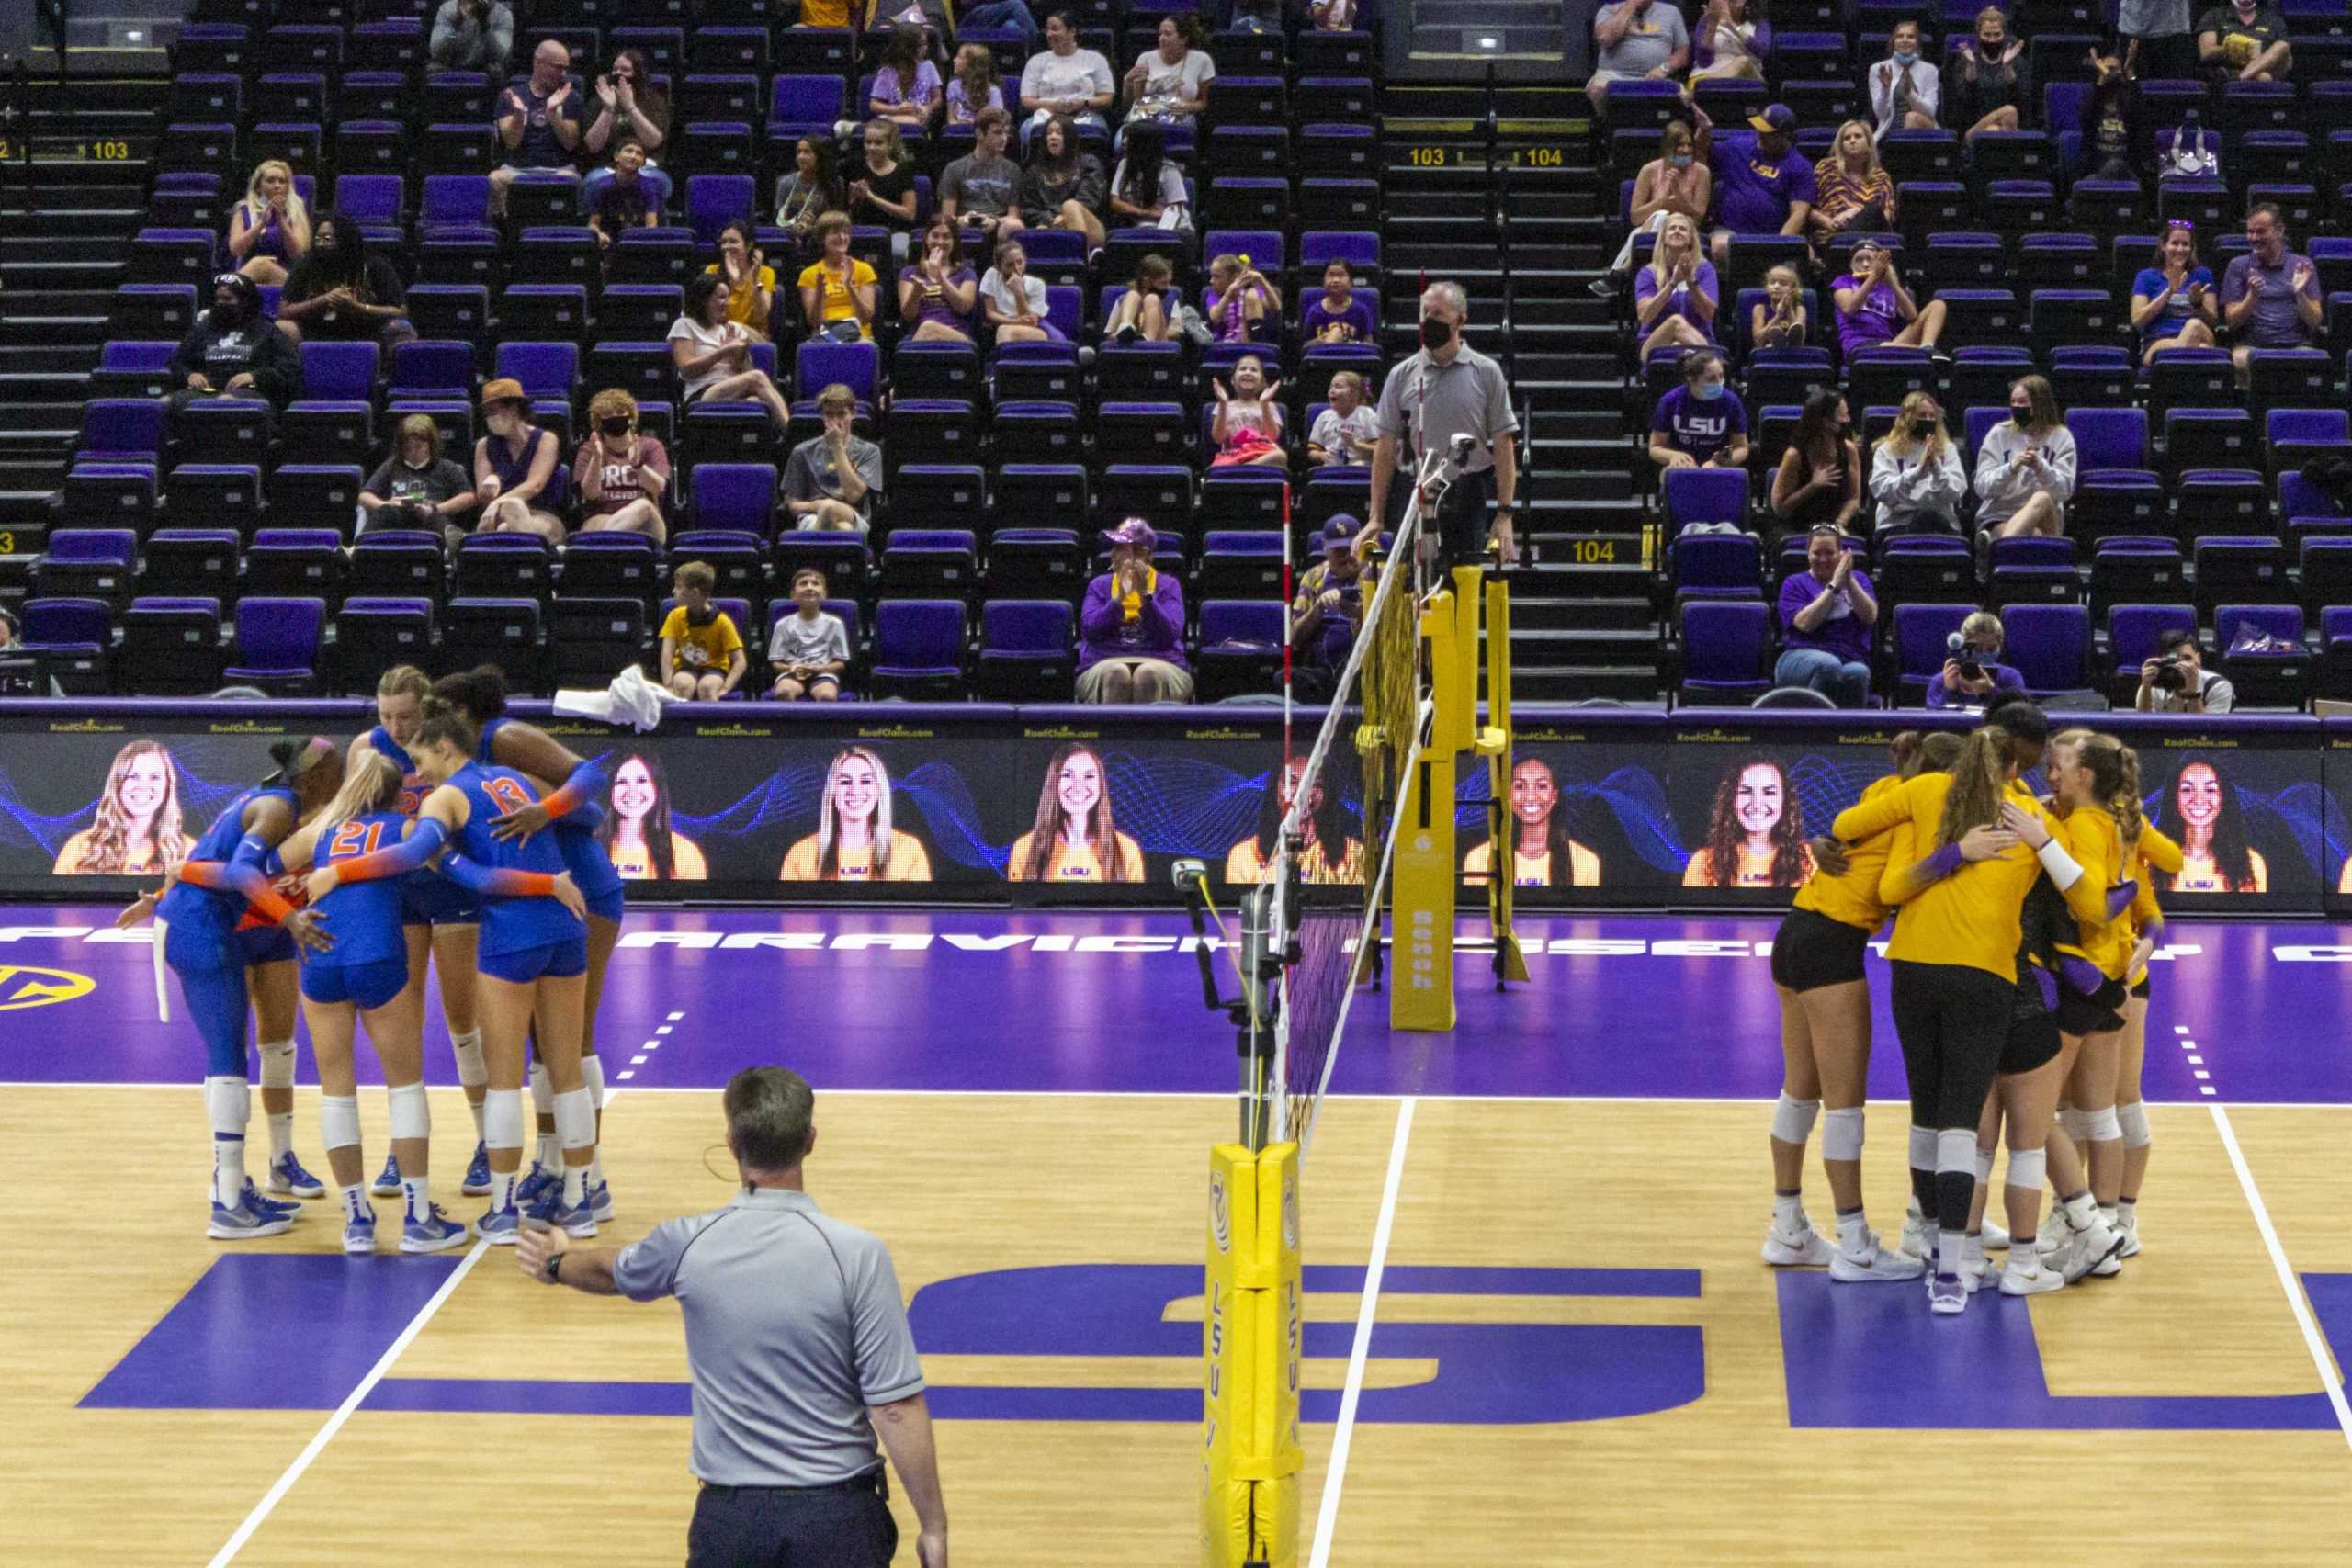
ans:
x=447 y=837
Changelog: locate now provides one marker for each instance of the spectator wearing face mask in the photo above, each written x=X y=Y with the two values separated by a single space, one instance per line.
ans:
x=1991 y=87
x=417 y=487
x=622 y=475
x=1975 y=677
x=1916 y=479
x=233 y=351
x=1906 y=92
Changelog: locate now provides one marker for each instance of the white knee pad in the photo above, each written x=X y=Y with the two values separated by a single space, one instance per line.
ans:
x=2076 y=1122
x=591 y=1069
x=1793 y=1119
x=472 y=1071
x=1923 y=1147
x=2105 y=1127
x=411 y=1116
x=1841 y=1133
x=277 y=1063
x=2134 y=1120
x=502 y=1119
x=2028 y=1168
x=228 y=1105
x=1956 y=1150
x=575 y=1118
x=339 y=1120
x=1984 y=1164
x=542 y=1090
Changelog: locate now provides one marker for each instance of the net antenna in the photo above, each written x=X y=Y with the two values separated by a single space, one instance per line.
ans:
x=1325 y=939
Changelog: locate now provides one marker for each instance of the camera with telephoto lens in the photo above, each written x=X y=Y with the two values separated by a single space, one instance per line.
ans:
x=2170 y=676
x=1971 y=667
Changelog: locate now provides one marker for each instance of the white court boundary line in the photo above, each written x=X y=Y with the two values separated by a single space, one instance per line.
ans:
x=2328 y=1376
x=352 y=1401
x=1326 y=1516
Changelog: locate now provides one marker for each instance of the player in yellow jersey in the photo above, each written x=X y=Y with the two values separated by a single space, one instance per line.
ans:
x=1954 y=951
x=1826 y=1038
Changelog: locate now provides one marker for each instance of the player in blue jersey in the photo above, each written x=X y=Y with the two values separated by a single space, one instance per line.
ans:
x=196 y=918
x=534 y=959
x=365 y=976
x=567 y=783
x=442 y=920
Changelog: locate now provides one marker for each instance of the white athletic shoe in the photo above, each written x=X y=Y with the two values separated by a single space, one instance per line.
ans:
x=2050 y=1239
x=1873 y=1265
x=1807 y=1248
x=1996 y=1237
x=2021 y=1281
x=2131 y=1229
x=2095 y=1244
x=1947 y=1296
x=1976 y=1272
x=1919 y=1236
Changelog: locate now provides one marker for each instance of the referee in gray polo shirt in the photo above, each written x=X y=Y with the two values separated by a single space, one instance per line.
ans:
x=1447 y=390
x=800 y=1353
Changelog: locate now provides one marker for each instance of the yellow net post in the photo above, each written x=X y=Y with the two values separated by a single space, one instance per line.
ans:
x=1251 y=1333
x=1494 y=739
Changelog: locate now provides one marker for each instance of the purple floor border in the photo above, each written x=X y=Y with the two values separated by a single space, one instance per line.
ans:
x=1666 y=1007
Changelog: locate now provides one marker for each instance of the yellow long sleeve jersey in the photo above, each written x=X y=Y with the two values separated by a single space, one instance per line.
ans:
x=2097 y=843
x=1970 y=917
x=1853 y=899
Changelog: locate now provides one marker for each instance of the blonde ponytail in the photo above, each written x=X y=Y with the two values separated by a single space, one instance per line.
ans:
x=1980 y=781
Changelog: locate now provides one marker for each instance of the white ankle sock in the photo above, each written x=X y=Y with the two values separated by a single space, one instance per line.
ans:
x=1854 y=1231
x=2127 y=1211
x=227 y=1103
x=1949 y=1248
x=575 y=1186
x=501 y=1189
x=355 y=1200
x=415 y=1199
x=281 y=1134
x=1788 y=1212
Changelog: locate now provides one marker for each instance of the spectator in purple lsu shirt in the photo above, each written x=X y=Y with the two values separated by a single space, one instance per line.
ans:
x=1131 y=627
x=1701 y=424
x=1827 y=613
x=1339 y=316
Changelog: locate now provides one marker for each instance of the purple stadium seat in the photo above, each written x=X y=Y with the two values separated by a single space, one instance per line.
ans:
x=919 y=648
x=120 y=430
x=1725 y=644
x=918 y=563
x=1241 y=648
x=820 y=363
x=1920 y=649
x=1704 y=495
x=1028 y=648
x=1717 y=566
x=426 y=368
x=740 y=497
x=2274 y=676
x=278 y=643
x=2050 y=645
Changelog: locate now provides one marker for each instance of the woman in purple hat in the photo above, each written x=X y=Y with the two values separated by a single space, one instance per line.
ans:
x=1131 y=627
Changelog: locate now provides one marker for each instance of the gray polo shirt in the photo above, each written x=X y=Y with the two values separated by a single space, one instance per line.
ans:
x=1424 y=405
x=794 y=1326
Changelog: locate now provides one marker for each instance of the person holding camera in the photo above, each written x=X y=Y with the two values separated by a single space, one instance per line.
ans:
x=2175 y=680
x=1827 y=613
x=417 y=487
x=472 y=35
x=1973 y=676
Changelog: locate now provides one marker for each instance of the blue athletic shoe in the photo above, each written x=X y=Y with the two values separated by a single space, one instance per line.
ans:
x=359 y=1231
x=476 y=1181
x=537 y=1184
x=244 y=1223
x=287 y=1175
x=439 y=1232
x=579 y=1221
x=259 y=1205
x=500 y=1226
x=388 y=1181
x=600 y=1202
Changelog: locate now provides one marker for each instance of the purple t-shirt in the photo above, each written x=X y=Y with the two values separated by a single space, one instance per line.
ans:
x=1703 y=281
x=1695 y=426
x=2276 y=323
x=1357 y=315
x=1841 y=633
x=1874 y=319
x=1754 y=195
x=931 y=304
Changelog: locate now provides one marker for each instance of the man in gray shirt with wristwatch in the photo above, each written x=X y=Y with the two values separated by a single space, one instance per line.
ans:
x=799 y=1344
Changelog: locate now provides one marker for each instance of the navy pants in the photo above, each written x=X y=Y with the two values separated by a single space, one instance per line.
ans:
x=778 y=1527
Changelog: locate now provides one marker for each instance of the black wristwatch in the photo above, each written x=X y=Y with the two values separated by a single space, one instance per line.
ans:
x=551 y=1271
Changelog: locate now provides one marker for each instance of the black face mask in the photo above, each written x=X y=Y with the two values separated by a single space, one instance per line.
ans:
x=2022 y=415
x=1435 y=333
x=614 y=429
x=229 y=314
x=1922 y=428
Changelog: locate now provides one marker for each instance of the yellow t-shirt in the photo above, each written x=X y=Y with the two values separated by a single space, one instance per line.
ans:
x=910 y=862
x=1244 y=865
x=1068 y=864
x=1754 y=870
x=702 y=647
x=2200 y=874
x=836 y=306
x=1852 y=899
x=824 y=13
x=635 y=863
x=148 y=860
x=744 y=302
x=1535 y=871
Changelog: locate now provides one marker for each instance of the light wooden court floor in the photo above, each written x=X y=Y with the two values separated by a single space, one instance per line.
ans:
x=964 y=1184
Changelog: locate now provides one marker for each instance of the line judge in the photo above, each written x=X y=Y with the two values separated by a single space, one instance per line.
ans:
x=1448 y=390
x=799 y=1348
